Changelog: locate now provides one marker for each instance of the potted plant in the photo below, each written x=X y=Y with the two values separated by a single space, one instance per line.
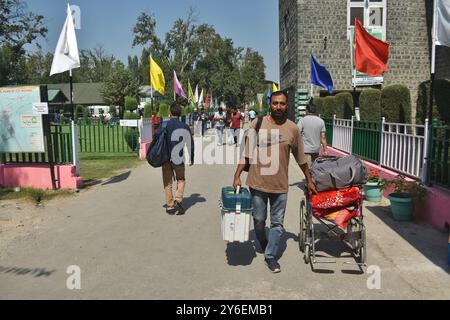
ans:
x=374 y=186
x=405 y=194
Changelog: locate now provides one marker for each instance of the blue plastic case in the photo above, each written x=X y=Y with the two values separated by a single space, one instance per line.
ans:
x=230 y=199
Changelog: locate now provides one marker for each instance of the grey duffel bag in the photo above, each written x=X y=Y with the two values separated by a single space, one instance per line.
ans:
x=332 y=173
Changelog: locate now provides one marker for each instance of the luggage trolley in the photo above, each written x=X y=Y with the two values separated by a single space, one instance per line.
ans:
x=314 y=208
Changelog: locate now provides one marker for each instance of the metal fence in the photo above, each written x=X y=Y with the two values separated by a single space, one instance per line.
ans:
x=400 y=147
x=404 y=148
x=366 y=140
x=438 y=164
x=106 y=138
x=342 y=134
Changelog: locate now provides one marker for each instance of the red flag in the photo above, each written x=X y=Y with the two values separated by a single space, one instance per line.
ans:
x=371 y=54
x=207 y=102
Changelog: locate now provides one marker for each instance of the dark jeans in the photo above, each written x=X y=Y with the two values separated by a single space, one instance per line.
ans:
x=204 y=127
x=278 y=204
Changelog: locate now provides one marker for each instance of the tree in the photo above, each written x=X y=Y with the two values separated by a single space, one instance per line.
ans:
x=95 y=65
x=252 y=76
x=200 y=54
x=118 y=85
x=183 y=44
x=135 y=69
x=17 y=28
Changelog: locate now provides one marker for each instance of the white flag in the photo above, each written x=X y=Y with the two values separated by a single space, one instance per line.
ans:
x=196 y=94
x=66 y=53
x=442 y=23
x=200 y=100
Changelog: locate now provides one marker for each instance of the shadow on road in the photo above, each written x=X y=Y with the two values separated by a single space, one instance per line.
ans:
x=332 y=251
x=117 y=179
x=91 y=183
x=192 y=201
x=431 y=243
x=36 y=272
x=240 y=254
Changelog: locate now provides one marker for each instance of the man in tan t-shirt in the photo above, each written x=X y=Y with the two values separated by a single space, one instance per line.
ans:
x=269 y=154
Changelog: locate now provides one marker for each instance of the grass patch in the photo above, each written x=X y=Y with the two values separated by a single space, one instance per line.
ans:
x=34 y=195
x=95 y=166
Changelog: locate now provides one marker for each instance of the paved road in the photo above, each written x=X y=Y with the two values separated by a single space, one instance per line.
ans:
x=128 y=248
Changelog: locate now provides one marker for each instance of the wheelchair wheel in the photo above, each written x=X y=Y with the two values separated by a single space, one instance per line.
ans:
x=303 y=226
x=354 y=226
x=307 y=253
x=362 y=249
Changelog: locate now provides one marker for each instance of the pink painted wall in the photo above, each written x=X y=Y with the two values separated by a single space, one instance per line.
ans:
x=1 y=175
x=435 y=210
x=38 y=176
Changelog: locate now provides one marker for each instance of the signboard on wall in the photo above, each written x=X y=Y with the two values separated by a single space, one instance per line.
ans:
x=21 y=129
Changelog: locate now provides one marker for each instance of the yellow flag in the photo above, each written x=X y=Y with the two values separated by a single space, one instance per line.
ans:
x=274 y=88
x=157 y=80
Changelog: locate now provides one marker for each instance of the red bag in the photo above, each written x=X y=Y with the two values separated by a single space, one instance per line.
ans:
x=338 y=206
x=335 y=199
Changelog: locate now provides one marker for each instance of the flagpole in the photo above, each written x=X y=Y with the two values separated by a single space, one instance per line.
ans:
x=71 y=94
x=354 y=70
x=433 y=64
x=151 y=86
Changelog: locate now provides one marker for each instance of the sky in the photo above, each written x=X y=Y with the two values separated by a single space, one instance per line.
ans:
x=249 y=23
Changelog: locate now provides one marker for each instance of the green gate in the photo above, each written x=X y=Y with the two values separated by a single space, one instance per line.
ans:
x=329 y=125
x=367 y=140
x=104 y=138
x=438 y=162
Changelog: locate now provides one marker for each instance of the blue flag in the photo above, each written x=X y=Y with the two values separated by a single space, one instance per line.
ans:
x=320 y=75
x=269 y=95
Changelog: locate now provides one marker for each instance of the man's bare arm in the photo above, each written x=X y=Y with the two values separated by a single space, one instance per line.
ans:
x=309 y=182
x=324 y=144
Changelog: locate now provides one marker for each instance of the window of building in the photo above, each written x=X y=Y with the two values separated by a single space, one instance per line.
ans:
x=372 y=13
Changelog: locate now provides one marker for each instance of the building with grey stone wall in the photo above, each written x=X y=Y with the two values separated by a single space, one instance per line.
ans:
x=322 y=27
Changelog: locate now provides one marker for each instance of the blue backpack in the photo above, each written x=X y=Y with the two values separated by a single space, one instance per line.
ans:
x=159 y=152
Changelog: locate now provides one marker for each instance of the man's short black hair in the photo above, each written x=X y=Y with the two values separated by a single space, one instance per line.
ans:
x=311 y=108
x=279 y=93
x=175 y=109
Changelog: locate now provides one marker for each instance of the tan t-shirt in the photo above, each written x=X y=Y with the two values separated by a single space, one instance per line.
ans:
x=269 y=157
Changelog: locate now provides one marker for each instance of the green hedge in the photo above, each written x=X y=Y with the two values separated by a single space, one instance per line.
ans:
x=148 y=110
x=370 y=105
x=340 y=105
x=328 y=107
x=130 y=115
x=423 y=99
x=442 y=97
x=163 y=110
x=318 y=101
x=344 y=105
x=396 y=104
x=131 y=103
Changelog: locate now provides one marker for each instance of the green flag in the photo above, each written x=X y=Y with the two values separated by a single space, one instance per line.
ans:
x=190 y=93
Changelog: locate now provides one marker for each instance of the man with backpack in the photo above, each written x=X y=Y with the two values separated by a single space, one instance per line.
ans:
x=179 y=136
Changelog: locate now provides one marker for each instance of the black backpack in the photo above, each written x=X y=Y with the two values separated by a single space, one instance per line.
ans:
x=159 y=152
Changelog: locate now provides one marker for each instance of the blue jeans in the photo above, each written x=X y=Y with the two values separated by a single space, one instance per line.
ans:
x=278 y=204
x=219 y=129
